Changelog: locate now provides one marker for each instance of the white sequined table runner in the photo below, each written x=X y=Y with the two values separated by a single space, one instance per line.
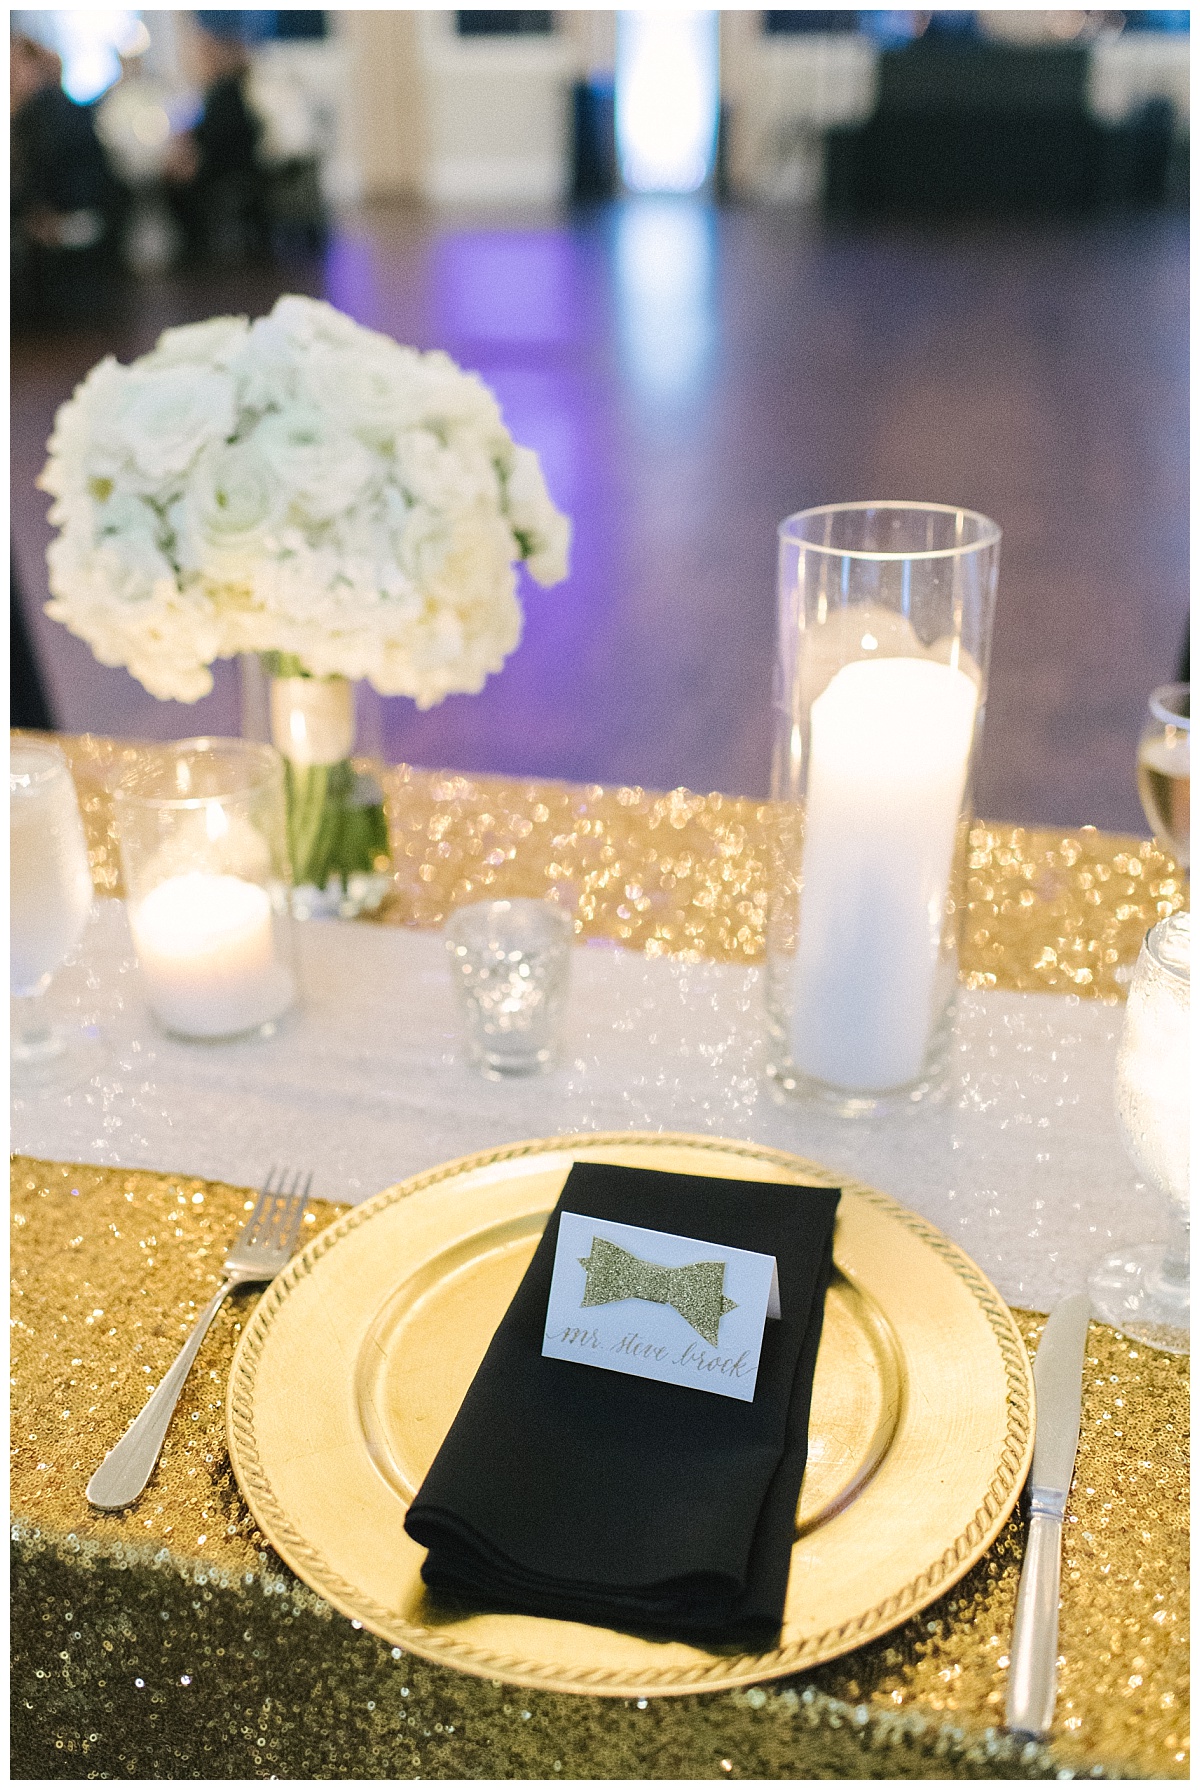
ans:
x=1021 y=1163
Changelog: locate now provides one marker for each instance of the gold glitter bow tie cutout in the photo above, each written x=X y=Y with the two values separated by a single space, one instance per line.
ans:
x=696 y=1292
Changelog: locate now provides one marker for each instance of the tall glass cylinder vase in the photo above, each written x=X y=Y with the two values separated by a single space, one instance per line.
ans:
x=337 y=827
x=885 y=621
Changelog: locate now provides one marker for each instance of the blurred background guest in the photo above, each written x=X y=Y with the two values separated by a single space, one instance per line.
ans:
x=29 y=705
x=214 y=179
x=64 y=202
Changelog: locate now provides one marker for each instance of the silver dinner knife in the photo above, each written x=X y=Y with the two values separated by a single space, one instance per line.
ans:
x=1058 y=1383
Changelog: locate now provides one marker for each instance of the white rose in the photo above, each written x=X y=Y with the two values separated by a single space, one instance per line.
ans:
x=80 y=425
x=304 y=322
x=449 y=395
x=444 y=478
x=164 y=636
x=371 y=389
x=132 y=528
x=543 y=533
x=549 y=560
x=322 y=468
x=166 y=418
x=470 y=620
x=423 y=543
x=231 y=506
x=174 y=644
x=215 y=343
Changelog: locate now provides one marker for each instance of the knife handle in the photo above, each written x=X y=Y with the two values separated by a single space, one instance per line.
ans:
x=1033 y=1667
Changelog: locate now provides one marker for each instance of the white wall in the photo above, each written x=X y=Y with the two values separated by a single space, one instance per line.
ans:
x=783 y=93
x=381 y=127
x=497 y=114
x=1127 y=71
x=433 y=116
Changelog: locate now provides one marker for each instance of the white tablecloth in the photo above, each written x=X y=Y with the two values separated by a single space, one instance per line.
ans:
x=368 y=1082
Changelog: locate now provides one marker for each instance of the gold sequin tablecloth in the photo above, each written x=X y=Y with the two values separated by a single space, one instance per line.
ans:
x=169 y=1641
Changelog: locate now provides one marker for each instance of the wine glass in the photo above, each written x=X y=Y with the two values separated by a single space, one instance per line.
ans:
x=1164 y=768
x=1144 y=1291
x=50 y=898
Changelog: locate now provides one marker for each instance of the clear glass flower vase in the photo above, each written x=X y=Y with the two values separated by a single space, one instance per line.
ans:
x=327 y=730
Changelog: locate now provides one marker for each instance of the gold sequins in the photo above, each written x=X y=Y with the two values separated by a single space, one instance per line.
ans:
x=686 y=875
x=139 y=1650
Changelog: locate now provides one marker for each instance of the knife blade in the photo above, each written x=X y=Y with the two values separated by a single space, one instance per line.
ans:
x=1058 y=1385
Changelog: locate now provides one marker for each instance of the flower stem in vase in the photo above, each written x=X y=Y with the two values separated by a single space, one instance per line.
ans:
x=337 y=827
x=336 y=823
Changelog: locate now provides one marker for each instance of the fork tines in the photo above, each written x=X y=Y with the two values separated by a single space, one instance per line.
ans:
x=275 y=1220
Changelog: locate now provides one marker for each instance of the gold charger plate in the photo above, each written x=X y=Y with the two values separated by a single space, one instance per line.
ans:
x=356 y=1359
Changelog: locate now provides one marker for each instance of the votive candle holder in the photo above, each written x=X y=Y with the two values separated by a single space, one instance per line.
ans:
x=202 y=836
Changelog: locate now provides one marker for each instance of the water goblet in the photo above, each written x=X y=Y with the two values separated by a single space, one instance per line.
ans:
x=1164 y=769
x=1144 y=1290
x=50 y=898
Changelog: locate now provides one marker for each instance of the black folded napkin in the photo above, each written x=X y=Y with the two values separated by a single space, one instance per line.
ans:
x=571 y=1491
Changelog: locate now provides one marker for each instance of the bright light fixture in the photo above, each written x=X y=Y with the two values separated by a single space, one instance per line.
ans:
x=91 y=42
x=667 y=99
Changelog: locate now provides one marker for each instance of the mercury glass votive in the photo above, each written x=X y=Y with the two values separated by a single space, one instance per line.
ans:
x=1144 y=1290
x=511 y=962
x=203 y=842
x=885 y=621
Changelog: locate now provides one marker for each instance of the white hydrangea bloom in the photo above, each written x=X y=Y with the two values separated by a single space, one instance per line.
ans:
x=300 y=485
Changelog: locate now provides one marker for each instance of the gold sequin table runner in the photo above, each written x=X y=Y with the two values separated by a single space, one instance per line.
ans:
x=169 y=1641
x=686 y=875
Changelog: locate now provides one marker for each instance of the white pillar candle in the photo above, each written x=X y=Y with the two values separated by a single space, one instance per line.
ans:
x=890 y=741
x=206 y=946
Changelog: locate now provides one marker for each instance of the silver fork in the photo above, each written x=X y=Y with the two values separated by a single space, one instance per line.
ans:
x=264 y=1248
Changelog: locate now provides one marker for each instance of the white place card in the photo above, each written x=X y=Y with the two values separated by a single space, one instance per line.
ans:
x=658 y=1306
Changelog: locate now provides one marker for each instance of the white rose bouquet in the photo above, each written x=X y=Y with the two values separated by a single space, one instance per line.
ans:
x=300 y=485
x=303 y=487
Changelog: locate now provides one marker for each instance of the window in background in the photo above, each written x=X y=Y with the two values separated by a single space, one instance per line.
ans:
x=667 y=99
x=298 y=27
x=1177 y=21
x=807 y=21
x=254 y=25
x=885 y=27
x=891 y=29
x=504 y=24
